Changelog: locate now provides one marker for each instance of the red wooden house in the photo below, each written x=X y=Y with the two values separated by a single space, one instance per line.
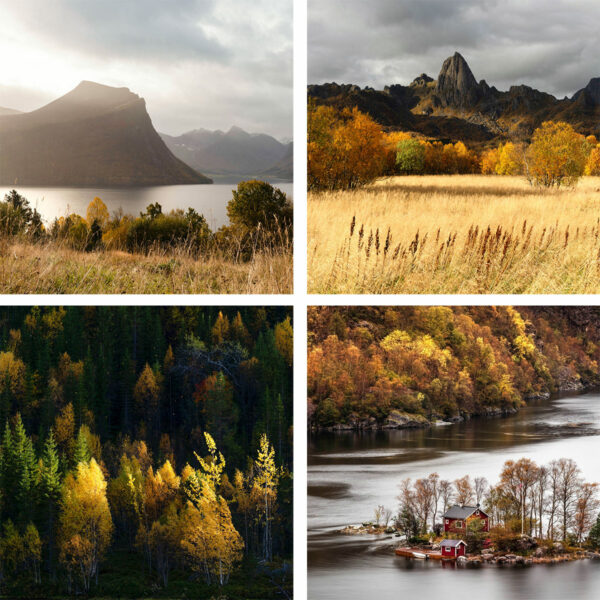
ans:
x=453 y=548
x=457 y=517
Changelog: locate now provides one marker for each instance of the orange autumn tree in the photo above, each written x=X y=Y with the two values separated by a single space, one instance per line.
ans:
x=557 y=155
x=97 y=211
x=592 y=166
x=489 y=161
x=345 y=149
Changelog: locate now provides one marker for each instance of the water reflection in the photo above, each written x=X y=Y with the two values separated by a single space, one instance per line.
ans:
x=209 y=200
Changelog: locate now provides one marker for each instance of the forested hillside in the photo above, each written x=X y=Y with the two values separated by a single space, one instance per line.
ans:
x=146 y=449
x=391 y=367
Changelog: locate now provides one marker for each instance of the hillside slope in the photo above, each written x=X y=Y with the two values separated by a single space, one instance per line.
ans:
x=389 y=367
x=95 y=135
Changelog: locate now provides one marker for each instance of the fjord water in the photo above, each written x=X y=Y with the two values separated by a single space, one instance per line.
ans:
x=349 y=474
x=208 y=200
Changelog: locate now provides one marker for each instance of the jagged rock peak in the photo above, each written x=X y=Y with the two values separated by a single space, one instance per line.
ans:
x=422 y=80
x=591 y=91
x=456 y=83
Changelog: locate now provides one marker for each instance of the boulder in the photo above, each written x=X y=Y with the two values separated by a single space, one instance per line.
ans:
x=400 y=420
x=526 y=543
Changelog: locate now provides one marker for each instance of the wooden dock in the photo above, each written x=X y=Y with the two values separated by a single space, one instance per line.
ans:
x=420 y=554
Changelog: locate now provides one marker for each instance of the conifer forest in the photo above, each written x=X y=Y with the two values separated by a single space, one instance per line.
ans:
x=146 y=452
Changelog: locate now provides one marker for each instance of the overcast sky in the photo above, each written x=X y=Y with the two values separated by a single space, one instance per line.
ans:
x=198 y=63
x=551 y=45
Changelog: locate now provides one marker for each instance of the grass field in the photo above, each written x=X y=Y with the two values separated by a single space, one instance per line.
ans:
x=52 y=268
x=455 y=234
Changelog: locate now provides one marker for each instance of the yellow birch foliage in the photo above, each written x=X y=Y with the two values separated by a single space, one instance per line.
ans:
x=592 y=166
x=284 y=340
x=510 y=161
x=557 y=155
x=85 y=523
x=97 y=211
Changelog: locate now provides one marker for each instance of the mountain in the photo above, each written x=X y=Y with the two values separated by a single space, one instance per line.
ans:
x=232 y=154
x=455 y=106
x=8 y=111
x=283 y=168
x=95 y=135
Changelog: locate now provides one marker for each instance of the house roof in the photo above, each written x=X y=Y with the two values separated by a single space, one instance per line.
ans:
x=452 y=543
x=461 y=512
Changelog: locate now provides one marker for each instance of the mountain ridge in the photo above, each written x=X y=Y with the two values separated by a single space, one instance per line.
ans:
x=232 y=153
x=94 y=135
x=455 y=106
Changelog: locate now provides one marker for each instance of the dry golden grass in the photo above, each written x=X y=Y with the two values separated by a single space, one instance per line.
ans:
x=52 y=268
x=455 y=234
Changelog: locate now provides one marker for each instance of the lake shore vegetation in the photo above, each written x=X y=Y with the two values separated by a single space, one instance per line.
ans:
x=156 y=252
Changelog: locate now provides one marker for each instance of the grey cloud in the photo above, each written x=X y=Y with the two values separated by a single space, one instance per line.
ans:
x=551 y=46
x=127 y=28
x=198 y=63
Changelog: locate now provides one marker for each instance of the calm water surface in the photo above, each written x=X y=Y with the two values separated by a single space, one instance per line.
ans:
x=209 y=200
x=350 y=473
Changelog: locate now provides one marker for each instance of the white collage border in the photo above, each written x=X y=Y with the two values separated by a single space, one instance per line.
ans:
x=300 y=300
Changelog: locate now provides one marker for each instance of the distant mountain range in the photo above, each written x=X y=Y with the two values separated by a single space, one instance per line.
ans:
x=95 y=135
x=233 y=154
x=457 y=107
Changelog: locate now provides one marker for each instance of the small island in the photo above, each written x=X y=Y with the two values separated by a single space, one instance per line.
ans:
x=534 y=515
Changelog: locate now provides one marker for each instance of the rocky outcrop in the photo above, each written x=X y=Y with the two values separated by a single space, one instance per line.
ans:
x=399 y=420
x=591 y=92
x=456 y=85
x=421 y=81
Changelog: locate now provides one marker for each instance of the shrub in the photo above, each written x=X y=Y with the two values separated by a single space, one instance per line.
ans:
x=258 y=204
x=410 y=156
x=176 y=228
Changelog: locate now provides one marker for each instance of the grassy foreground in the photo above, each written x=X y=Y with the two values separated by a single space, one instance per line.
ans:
x=53 y=268
x=455 y=234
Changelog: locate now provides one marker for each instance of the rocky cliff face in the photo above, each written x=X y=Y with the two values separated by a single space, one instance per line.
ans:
x=456 y=85
x=457 y=107
x=95 y=135
x=590 y=92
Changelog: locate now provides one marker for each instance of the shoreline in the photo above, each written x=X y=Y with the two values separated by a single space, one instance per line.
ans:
x=398 y=420
x=537 y=554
